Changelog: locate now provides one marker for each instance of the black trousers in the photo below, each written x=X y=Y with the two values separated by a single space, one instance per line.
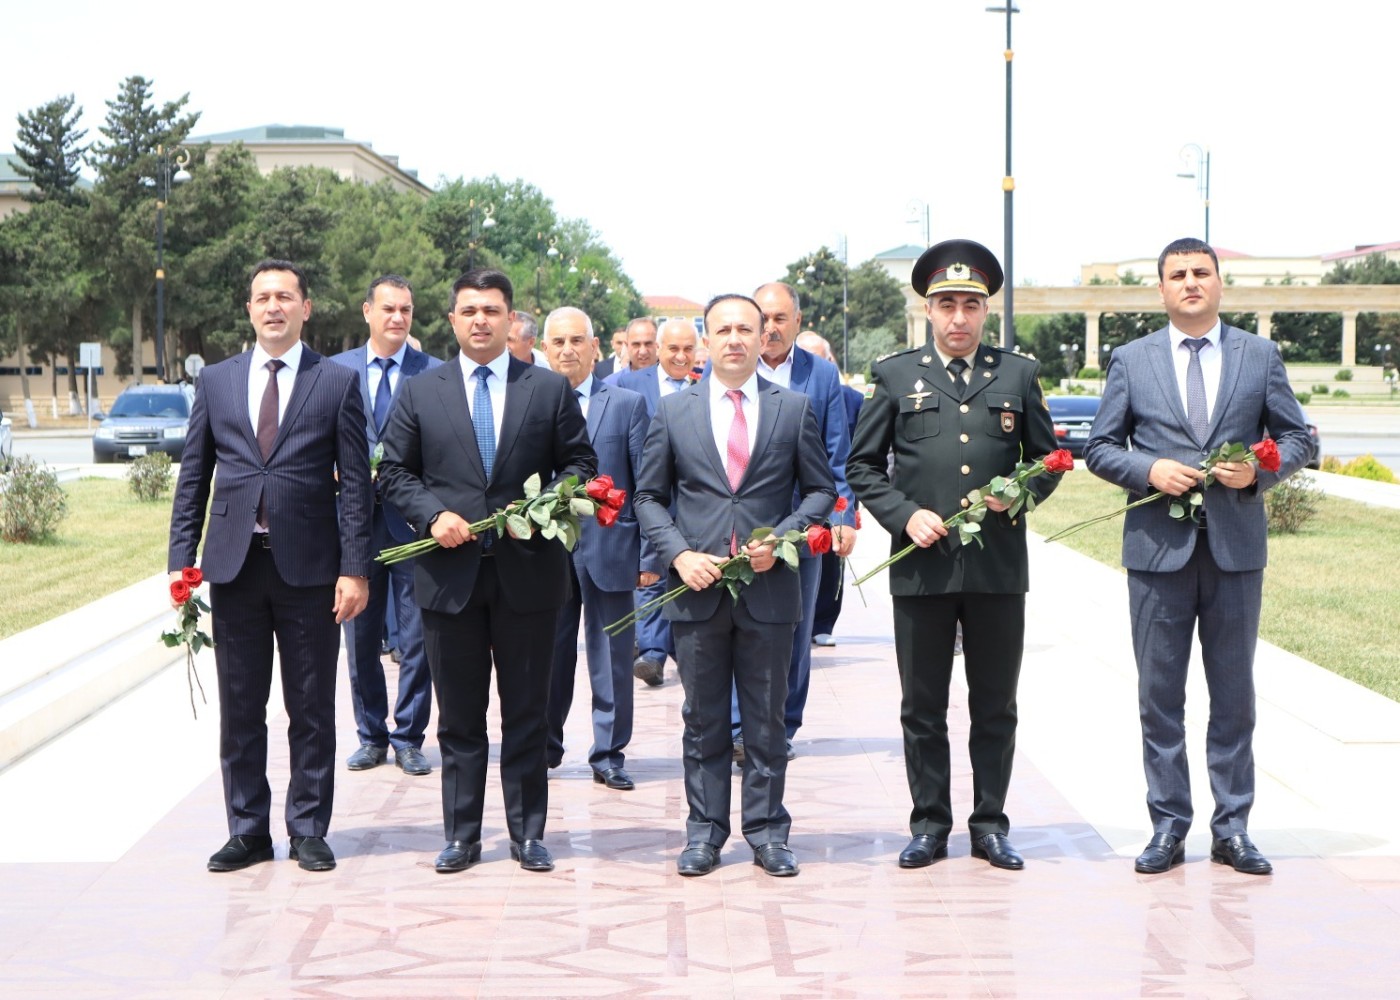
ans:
x=247 y=613
x=461 y=649
x=994 y=628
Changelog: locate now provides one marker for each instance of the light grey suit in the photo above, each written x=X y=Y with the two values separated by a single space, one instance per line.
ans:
x=720 y=642
x=1176 y=583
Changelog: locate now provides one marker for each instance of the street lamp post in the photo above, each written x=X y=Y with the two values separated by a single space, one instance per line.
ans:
x=166 y=159
x=1008 y=185
x=917 y=208
x=845 y=303
x=475 y=236
x=540 y=254
x=1070 y=352
x=1199 y=161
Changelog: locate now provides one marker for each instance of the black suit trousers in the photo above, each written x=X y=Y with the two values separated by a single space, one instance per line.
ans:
x=994 y=627
x=460 y=649
x=729 y=651
x=247 y=613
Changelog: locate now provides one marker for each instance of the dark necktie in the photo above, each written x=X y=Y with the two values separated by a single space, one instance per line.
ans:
x=483 y=421
x=956 y=367
x=267 y=428
x=384 y=395
x=1196 y=414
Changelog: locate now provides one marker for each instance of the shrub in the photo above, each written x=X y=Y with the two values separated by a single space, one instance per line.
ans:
x=1344 y=375
x=31 y=501
x=1367 y=467
x=1341 y=394
x=1331 y=463
x=149 y=476
x=1090 y=373
x=1319 y=390
x=1304 y=398
x=1292 y=503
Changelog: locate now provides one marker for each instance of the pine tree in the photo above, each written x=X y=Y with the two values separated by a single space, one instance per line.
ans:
x=48 y=146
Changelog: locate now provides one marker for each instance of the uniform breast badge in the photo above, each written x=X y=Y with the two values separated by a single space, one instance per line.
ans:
x=919 y=395
x=1008 y=422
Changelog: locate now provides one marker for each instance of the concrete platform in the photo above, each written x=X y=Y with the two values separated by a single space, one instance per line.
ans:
x=102 y=857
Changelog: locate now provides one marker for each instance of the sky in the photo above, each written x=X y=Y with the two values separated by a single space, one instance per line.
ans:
x=712 y=144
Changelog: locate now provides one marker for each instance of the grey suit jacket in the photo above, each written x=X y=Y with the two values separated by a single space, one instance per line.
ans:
x=1142 y=418
x=680 y=462
x=414 y=362
x=314 y=538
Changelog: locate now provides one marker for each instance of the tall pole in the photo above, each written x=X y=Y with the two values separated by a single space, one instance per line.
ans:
x=164 y=163
x=1008 y=185
x=1200 y=173
x=1207 y=197
x=845 y=304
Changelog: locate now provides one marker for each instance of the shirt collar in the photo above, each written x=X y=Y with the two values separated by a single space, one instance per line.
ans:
x=499 y=365
x=1213 y=335
x=398 y=355
x=718 y=389
x=585 y=387
x=292 y=358
x=785 y=364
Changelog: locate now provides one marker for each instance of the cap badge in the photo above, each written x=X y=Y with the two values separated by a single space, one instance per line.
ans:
x=959 y=272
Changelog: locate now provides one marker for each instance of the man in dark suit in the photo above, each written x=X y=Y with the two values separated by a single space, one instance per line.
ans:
x=1170 y=399
x=673 y=348
x=617 y=360
x=382 y=366
x=607 y=563
x=731 y=453
x=460 y=444
x=956 y=413
x=282 y=557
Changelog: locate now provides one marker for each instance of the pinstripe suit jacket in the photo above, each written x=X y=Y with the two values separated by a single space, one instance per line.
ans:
x=1142 y=418
x=314 y=540
x=414 y=362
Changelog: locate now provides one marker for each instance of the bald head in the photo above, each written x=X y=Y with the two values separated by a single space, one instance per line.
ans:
x=811 y=340
x=676 y=346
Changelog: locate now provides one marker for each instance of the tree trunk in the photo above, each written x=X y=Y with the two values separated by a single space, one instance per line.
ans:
x=137 y=363
x=75 y=406
x=30 y=418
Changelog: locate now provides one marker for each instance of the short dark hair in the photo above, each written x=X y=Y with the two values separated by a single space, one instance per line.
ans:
x=392 y=280
x=1187 y=244
x=483 y=279
x=640 y=319
x=278 y=265
x=792 y=293
x=725 y=298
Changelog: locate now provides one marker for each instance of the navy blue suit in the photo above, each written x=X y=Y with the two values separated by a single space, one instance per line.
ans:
x=363 y=634
x=605 y=566
x=830 y=593
x=285 y=587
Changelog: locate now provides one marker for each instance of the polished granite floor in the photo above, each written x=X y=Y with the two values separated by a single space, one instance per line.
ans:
x=138 y=916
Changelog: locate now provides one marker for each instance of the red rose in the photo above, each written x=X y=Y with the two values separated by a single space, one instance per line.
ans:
x=857 y=520
x=818 y=539
x=840 y=505
x=192 y=576
x=179 y=591
x=615 y=499
x=1266 y=452
x=598 y=487
x=1059 y=460
x=607 y=516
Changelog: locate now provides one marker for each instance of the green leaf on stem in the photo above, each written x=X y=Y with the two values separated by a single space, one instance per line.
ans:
x=532 y=486
x=518 y=527
x=540 y=514
x=583 y=507
x=787 y=552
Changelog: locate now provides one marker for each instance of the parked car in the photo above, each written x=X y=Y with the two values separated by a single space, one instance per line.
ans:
x=143 y=420
x=7 y=441
x=1073 y=416
x=1316 y=461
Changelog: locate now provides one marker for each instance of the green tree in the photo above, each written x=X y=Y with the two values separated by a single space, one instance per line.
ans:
x=1375 y=332
x=867 y=345
x=874 y=299
x=49 y=148
x=819 y=278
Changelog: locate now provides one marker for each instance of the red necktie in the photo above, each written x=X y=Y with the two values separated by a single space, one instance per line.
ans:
x=736 y=458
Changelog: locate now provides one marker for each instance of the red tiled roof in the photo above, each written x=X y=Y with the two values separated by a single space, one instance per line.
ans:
x=665 y=303
x=1362 y=251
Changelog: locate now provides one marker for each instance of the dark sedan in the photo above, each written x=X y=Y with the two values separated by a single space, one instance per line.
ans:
x=1073 y=416
x=143 y=420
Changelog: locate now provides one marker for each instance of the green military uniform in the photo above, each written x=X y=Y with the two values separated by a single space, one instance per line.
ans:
x=948 y=440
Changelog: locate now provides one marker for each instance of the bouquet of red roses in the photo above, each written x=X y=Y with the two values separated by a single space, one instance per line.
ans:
x=735 y=572
x=1188 y=505
x=553 y=513
x=1010 y=490
x=187 y=632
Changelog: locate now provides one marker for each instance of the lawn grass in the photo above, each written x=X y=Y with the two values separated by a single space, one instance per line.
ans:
x=1329 y=595
x=108 y=540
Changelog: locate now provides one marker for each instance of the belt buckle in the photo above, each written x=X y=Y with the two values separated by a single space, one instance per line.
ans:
x=262 y=539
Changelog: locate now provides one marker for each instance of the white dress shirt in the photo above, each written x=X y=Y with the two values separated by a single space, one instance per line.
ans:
x=722 y=413
x=1211 y=358
x=584 y=392
x=782 y=375
x=257 y=381
x=375 y=372
x=495 y=385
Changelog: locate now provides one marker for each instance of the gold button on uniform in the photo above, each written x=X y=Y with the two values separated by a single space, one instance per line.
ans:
x=962 y=438
x=966 y=469
x=964 y=408
x=966 y=502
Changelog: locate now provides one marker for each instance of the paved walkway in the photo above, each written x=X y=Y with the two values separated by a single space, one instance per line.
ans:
x=105 y=892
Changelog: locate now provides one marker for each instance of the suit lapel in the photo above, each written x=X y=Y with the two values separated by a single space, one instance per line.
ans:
x=307 y=373
x=1159 y=353
x=520 y=387
x=983 y=374
x=1231 y=361
x=770 y=404
x=371 y=432
x=801 y=370
x=242 y=369
x=702 y=426
x=597 y=404
x=452 y=393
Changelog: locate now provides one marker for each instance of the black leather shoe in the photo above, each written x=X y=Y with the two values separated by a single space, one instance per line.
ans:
x=458 y=856
x=650 y=671
x=1240 y=854
x=698 y=859
x=312 y=854
x=411 y=761
x=998 y=852
x=615 y=777
x=923 y=851
x=775 y=859
x=1162 y=853
x=240 y=852
x=532 y=855
x=366 y=757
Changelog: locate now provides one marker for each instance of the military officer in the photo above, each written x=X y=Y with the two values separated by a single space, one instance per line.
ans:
x=956 y=412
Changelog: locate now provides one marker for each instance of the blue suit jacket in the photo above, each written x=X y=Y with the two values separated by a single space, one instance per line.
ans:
x=314 y=538
x=680 y=462
x=643 y=381
x=1142 y=419
x=617 y=428
x=414 y=362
